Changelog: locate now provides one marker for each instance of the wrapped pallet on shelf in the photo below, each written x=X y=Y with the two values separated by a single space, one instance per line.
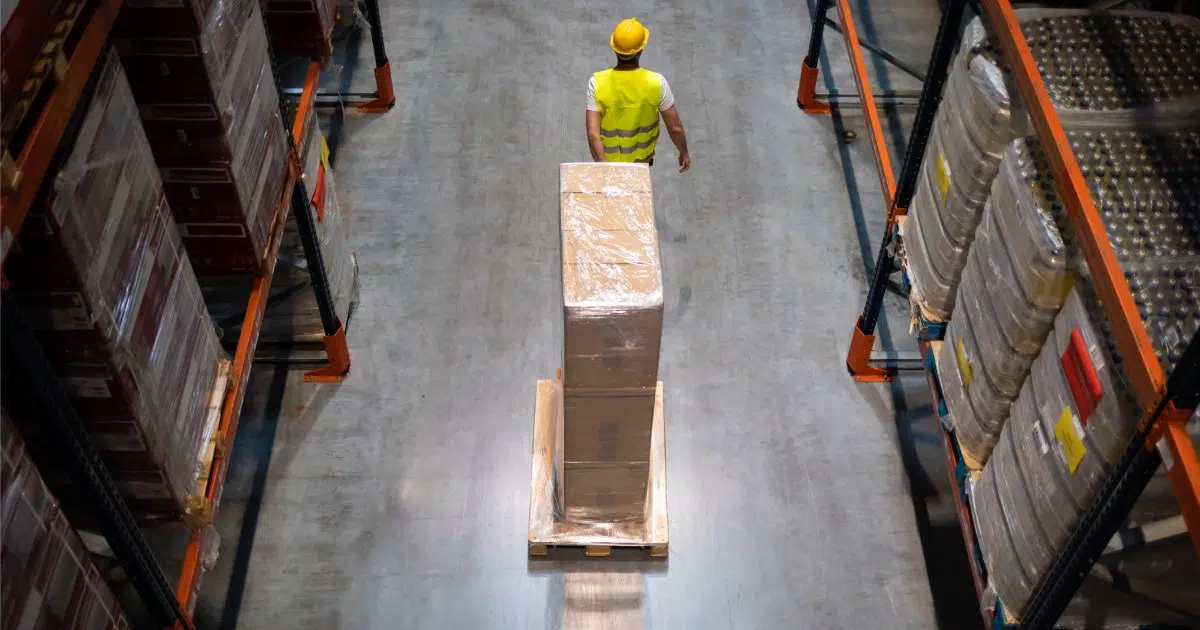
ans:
x=1120 y=67
x=100 y=273
x=205 y=89
x=49 y=578
x=292 y=314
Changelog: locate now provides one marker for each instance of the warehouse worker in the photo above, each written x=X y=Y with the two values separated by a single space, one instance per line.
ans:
x=624 y=103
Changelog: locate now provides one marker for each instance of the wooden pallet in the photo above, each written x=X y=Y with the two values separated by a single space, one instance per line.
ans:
x=597 y=540
x=199 y=513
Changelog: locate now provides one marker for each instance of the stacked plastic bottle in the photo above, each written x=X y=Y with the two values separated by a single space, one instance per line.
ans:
x=1074 y=415
x=1117 y=67
x=1025 y=260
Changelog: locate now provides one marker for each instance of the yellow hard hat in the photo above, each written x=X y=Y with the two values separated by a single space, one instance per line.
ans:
x=629 y=38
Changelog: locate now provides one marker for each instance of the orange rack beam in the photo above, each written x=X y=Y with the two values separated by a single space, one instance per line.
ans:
x=243 y=357
x=887 y=180
x=29 y=166
x=1145 y=370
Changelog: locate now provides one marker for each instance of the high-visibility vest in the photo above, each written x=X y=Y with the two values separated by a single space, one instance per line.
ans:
x=628 y=101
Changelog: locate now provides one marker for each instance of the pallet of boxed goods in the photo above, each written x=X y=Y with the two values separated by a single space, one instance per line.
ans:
x=599 y=467
x=100 y=273
x=49 y=578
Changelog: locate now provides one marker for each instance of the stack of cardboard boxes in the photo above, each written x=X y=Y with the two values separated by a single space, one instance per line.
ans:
x=613 y=308
x=49 y=578
x=202 y=78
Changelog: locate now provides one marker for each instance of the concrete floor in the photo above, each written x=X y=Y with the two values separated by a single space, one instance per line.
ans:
x=797 y=498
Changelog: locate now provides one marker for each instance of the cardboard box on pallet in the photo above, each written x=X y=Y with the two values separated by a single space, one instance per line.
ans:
x=179 y=50
x=221 y=146
x=104 y=282
x=49 y=578
x=604 y=492
x=613 y=309
x=300 y=26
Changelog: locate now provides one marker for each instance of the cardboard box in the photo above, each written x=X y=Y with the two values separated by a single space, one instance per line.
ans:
x=612 y=281
x=608 y=426
x=299 y=26
x=49 y=578
x=605 y=492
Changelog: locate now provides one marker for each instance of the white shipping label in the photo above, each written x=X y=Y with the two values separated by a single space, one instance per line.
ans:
x=1097 y=358
x=86 y=387
x=1039 y=435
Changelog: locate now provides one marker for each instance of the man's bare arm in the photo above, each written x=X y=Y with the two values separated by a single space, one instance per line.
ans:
x=593 y=136
x=675 y=130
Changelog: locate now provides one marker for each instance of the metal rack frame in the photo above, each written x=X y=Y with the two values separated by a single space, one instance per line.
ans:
x=1165 y=402
x=23 y=174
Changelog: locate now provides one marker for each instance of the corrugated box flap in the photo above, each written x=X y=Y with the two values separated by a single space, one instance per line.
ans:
x=612 y=286
x=617 y=246
x=609 y=178
x=626 y=211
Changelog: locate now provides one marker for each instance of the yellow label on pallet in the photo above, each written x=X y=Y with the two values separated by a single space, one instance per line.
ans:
x=964 y=365
x=941 y=176
x=1070 y=437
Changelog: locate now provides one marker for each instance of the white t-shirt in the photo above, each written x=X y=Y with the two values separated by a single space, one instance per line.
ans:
x=665 y=101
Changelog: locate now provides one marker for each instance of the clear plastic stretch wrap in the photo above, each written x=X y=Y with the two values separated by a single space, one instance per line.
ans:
x=181 y=51
x=299 y=26
x=292 y=313
x=103 y=279
x=221 y=152
x=613 y=309
x=49 y=578
x=1101 y=69
x=977 y=408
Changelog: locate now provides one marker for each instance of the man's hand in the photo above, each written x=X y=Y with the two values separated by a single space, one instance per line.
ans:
x=675 y=130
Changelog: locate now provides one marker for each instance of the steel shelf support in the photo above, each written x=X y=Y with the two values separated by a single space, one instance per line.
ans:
x=862 y=340
x=806 y=93
x=385 y=97
x=295 y=197
x=23 y=173
x=30 y=369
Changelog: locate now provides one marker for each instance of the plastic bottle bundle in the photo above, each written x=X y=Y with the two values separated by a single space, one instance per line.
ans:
x=1112 y=68
x=1054 y=453
x=1025 y=260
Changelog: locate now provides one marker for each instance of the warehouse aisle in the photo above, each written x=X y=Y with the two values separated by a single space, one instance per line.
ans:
x=399 y=499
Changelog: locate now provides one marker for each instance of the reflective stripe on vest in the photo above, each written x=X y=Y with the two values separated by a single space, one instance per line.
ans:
x=628 y=101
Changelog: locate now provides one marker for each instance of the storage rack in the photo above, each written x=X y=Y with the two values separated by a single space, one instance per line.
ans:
x=33 y=130
x=1165 y=401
